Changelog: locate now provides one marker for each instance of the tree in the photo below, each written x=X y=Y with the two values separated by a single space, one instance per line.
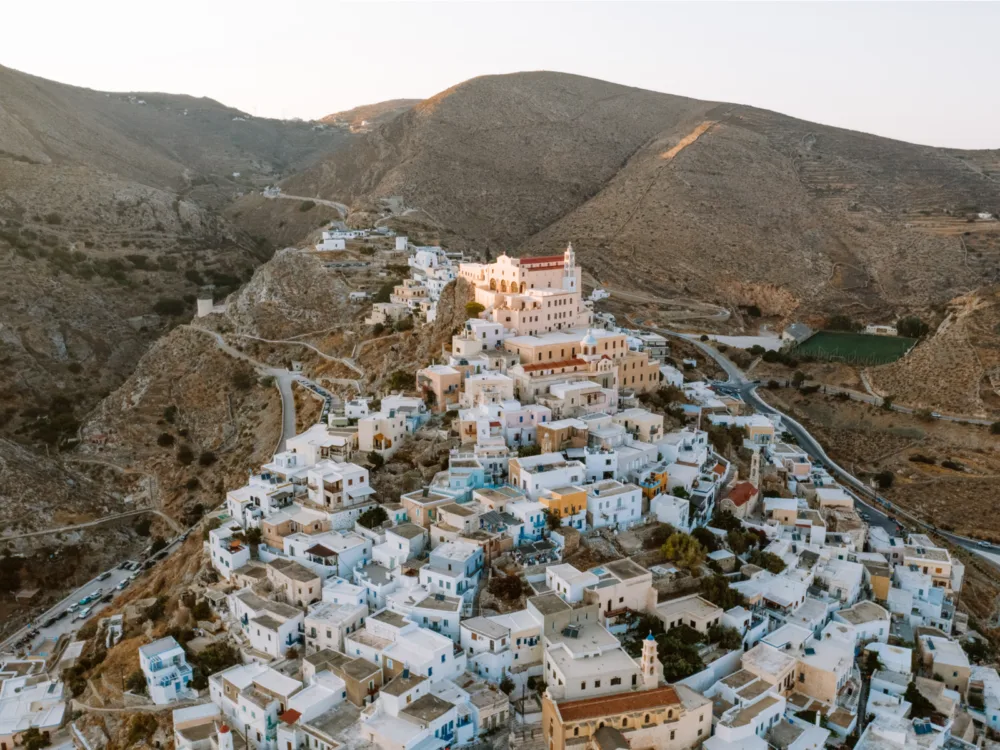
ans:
x=168 y=306
x=798 y=378
x=717 y=590
x=253 y=535
x=307 y=206
x=185 y=455
x=887 y=403
x=35 y=739
x=170 y=414
x=165 y=440
x=506 y=685
x=404 y=324
x=552 y=520
x=884 y=479
x=523 y=451
x=684 y=551
x=242 y=380
x=385 y=291
x=680 y=492
x=706 y=539
x=375 y=459
x=727 y=638
x=473 y=309
x=912 y=327
x=766 y=560
x=207 y=458
x=402 y=380
x=136 y=682
x=378 y=329
x=142 y=526
x=841 y=323
x=978 y=649
x=374 y=516
x=157 y=544
x=995 y=428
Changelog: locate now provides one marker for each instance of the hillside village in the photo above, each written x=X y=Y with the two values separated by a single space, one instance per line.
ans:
x=616 y=556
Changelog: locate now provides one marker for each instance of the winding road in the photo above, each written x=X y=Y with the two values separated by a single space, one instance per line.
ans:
x=341 y=207
x=880 y=510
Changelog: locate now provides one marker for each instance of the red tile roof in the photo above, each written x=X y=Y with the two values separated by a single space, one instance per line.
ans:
x=290 y=716
x=543 y=259
x=613 y=705
x=719 y=469
x=536 y=366
x=320 y=551
x=742 y=493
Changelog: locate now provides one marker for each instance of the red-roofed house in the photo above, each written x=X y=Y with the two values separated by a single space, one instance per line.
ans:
x=741 y=500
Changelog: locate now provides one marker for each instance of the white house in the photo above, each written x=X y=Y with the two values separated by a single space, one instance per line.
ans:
x=167 y=672
x=271 y=627
x=227 y=553
x=613 y=504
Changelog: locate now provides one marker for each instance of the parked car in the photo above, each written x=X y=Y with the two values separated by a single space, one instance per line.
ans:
x=104 y=576
x=83 y=614
x=984 y=544
x=123 y=585
x=71 y=608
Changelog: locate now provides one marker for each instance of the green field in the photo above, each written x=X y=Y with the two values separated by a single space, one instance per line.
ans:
x=854 y=348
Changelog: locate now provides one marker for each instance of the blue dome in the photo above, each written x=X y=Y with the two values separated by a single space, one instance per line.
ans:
x=650 y=636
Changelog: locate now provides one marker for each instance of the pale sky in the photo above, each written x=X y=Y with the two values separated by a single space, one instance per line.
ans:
x=922 y=72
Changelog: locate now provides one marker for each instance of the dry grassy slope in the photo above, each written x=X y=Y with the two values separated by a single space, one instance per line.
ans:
x=762 y=199
x=498 y=158
x=957 y=369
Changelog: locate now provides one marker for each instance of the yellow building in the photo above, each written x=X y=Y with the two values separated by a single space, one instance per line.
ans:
x=563 y=502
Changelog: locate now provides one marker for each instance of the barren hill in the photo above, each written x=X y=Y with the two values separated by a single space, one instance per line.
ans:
x=721 y=201
x=374 y=114
x=107 y=205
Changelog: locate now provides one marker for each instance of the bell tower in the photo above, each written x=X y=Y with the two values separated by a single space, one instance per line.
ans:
x=652 y=669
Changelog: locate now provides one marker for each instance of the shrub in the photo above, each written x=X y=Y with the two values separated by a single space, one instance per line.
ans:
x=53 y=218
x=136 y=682
x=165 y=440
x=168 y=306
x=884 y=479
x=170 y=413
x=207 y=458
x=766 y=560
x=242 y=380
x=404 y=324
x=185 y=455
x=953 y=465
x=402 y=380
x=142 y=527
x=474 y=309
x=912 y=327
x=373 y=517
x=75 y=367
x=842 y=323
x=523 y=451
x=159 y=543
x=376 y=460
x=307 y=206
x=194 y=277
x=995 y=428
x=684 y=551
x=508 y=588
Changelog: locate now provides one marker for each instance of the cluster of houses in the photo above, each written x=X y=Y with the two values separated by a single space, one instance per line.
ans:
x=431 y=269
x=360 y=620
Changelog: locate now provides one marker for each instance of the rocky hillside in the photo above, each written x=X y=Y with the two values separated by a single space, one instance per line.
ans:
x=957 y=369
x=722 y=202
x=108 y=207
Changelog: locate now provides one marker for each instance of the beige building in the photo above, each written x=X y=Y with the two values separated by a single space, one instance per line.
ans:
x=292 y=520
x=692 y=610
x=946 y=659
x=530 y=295
x=382 y=432
x=669 y=717
x=930 y=560
x=362 y=679
x=294 y=583
x=643 y=425
x=445 y=382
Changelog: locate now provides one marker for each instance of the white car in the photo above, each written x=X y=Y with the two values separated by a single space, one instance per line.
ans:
x=84 y=613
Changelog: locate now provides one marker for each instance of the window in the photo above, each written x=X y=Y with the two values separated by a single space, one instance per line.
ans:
x=442 y=658
x=583 y=686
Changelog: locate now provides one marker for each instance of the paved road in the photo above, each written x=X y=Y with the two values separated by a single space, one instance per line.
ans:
x=332 y=204
x=879 y=509
x=45 y=641
x=282 y=378
x=74 y=527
